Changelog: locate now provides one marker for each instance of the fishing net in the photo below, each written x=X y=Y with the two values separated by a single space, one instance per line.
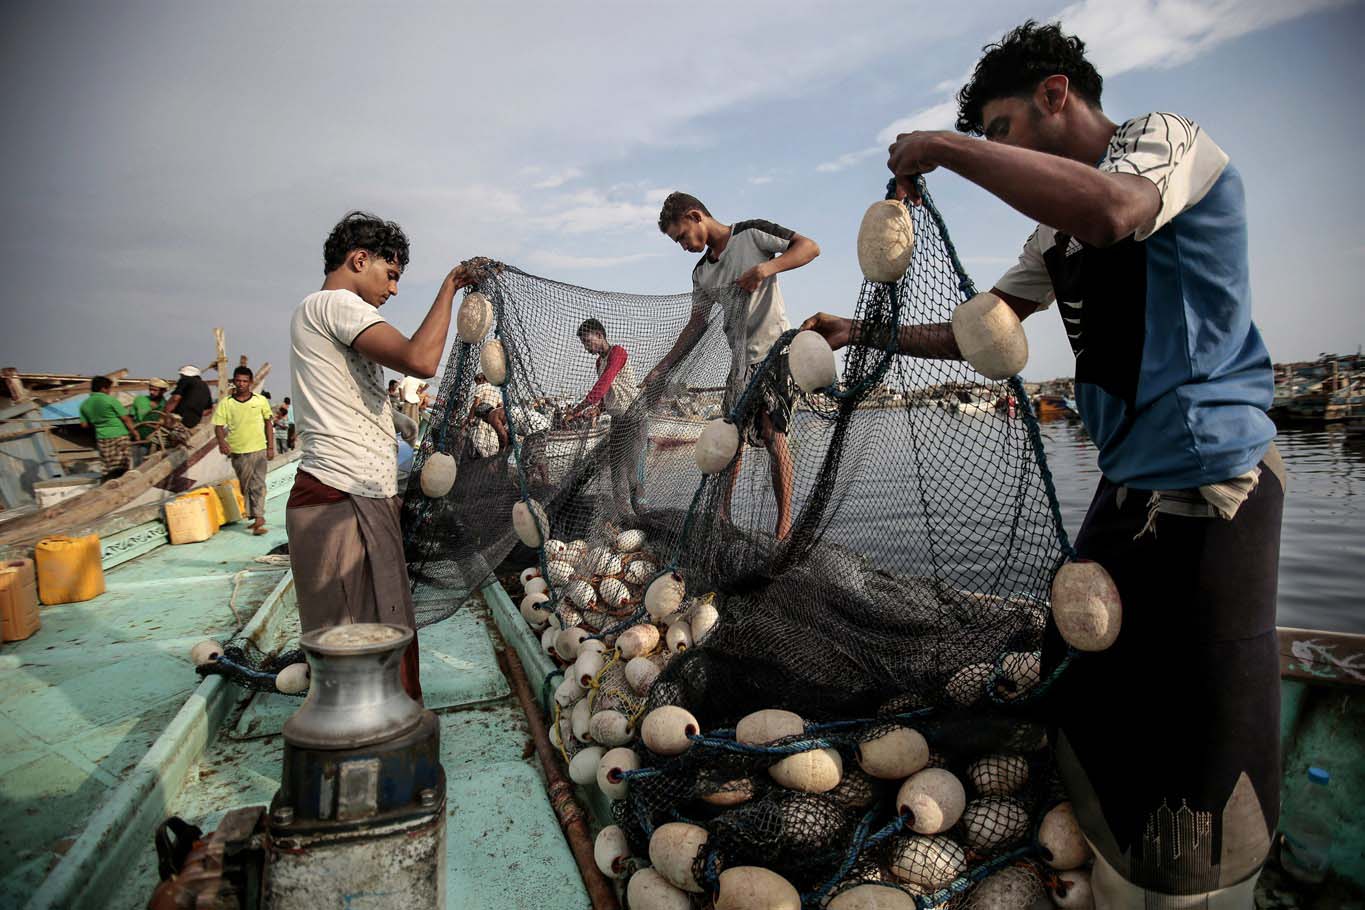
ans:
x=902 y=597
x=908 y=596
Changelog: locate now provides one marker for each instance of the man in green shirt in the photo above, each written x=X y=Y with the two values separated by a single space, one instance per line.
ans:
x=147 y=409
x=244 y=425
x=112 y=425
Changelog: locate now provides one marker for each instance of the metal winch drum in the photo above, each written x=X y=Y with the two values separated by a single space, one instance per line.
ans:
x=361 y=805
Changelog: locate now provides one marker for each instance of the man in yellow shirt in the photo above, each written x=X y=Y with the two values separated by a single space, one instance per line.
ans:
x=244 y=425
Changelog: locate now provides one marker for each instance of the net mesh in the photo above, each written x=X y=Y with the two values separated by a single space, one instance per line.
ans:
x=909 y=593
x=905 y=588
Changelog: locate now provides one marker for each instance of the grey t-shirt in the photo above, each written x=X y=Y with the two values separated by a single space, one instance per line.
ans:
x=751 y=243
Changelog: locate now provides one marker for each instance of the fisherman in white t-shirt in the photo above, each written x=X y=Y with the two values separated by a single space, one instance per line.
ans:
x=345 y=541
x=748 y=254
x=487 y=407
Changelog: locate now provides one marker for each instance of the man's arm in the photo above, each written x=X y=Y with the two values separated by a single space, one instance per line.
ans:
x=128 y=422
x=687 y=340
x=220 y=432
x=171 y=404
x=269 y=439
x=616 y=361
x=934 y=341
x=800 y=250
x=419 y=355
x=1094 y=206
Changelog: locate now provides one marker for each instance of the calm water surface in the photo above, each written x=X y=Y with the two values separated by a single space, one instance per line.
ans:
x=1322 y=542
x=1322 y=539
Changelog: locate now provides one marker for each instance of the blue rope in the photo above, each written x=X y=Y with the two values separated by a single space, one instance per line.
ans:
x=224 y=663
x=792 y=748
x=545 y=694
x=816 y=898
x=710 y=871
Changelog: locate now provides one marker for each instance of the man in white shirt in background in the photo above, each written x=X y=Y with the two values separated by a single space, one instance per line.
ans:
x=487 y=406
x=410 y=390
x=345 y=539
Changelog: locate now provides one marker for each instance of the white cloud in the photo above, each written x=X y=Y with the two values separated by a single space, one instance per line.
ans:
x=1121 y=36
x=761 y=179
x=592 y=210
x=558 y=180
x=554 y=260
x=1124 y=36
x=847 y=160
x=939 y=117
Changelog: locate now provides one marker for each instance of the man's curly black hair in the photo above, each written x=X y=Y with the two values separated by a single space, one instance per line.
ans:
x=1014 y=67
x=677 y=205
x=363 y=231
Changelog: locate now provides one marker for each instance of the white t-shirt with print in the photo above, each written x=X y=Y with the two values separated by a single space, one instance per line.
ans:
x=1173 y=153
x=342 y=413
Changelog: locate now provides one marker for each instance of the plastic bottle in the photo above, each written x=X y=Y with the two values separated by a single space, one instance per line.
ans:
x=1306 y=837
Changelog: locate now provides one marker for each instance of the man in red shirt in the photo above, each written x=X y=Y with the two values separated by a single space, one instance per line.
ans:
x=613 y=394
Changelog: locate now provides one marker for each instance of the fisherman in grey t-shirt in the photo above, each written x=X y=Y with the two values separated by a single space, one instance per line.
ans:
x=749 y=254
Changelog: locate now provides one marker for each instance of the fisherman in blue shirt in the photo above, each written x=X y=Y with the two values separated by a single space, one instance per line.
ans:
x=1168 y=741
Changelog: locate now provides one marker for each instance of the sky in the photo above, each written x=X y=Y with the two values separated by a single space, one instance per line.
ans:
x=173 y=167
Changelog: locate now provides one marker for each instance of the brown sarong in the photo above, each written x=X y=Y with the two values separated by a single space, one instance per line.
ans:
x=116 y=452
x=347 y=558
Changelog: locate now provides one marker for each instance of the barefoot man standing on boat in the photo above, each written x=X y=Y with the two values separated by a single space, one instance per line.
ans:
x=1168 y=742
x=244 y=426
x=748 y=254
x=345 y=542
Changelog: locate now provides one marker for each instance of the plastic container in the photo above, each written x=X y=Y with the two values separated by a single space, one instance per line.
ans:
x=1306 y=832
x=188 y=519
x=18 y=600
x=231 y=500
x=69 y=569
x=215 y=505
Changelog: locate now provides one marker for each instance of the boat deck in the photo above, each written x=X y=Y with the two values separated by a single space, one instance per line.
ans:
x=84 y=698
x=108 y=730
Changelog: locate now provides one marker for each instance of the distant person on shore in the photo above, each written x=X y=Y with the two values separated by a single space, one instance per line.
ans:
x=345 y=540
x=613 y=394
x=190 y=400
x=245 y=428
x=410 y=395
x=113 y=428
x=487 y=406
x=284 y=427
x=146 y=409
x=1142 y=243
x=395 y=395
x=749 y=254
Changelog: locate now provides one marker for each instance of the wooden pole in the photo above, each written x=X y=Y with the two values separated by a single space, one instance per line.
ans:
x=14 y=386
x=571 y=816
x=220 y=360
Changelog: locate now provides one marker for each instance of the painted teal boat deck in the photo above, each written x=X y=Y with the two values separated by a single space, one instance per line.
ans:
x=107 y=730
x=83 y=699
x=504 y=846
